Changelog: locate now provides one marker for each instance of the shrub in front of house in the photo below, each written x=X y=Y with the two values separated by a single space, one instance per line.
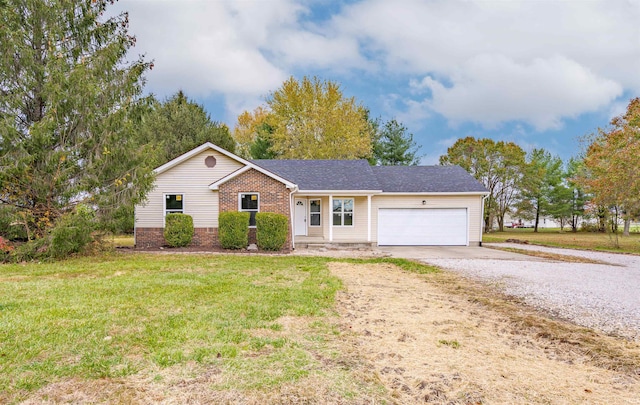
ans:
x=178 y=230
x=233 y=231
x=271 y=230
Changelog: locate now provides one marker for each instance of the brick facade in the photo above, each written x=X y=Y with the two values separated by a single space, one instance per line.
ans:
x=273 y=197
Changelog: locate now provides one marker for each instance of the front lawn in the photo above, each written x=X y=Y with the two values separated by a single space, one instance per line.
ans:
x=578 y=240
x=115 y=316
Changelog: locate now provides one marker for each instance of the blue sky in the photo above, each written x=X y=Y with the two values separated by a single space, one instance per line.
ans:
x=540 y=73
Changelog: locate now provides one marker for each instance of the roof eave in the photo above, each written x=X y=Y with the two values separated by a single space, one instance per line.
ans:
x=435 y=193
x=339 y=192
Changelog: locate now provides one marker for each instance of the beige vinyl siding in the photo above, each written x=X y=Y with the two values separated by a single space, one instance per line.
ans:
x=473 y=204
x=192 y=179
x=355 y=233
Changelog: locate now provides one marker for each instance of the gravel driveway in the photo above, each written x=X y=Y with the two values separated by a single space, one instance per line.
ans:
x=604 y=297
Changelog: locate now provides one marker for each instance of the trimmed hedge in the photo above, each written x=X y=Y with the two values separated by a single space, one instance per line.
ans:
x=271 y=230
x=233 y=230
x=178 y=230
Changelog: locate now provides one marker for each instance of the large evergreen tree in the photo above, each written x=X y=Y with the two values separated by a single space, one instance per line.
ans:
x=178 y=125
x=69 y=100
x=542 y=176
x=393 y=145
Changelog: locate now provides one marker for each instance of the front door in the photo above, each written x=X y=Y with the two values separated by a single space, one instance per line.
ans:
x=301 y=217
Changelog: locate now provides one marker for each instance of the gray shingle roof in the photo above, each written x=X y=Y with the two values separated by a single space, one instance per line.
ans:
x=324 y=174
x=426 y=179
x=359 y=175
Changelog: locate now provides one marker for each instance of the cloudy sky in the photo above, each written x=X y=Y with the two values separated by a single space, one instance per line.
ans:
x=541 y=73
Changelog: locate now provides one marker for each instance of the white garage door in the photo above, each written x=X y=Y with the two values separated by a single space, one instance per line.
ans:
x=414 y=227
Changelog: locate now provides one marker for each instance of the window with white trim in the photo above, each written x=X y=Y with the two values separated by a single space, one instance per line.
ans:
x=173 y=204
x=250 y=202
x=314 y=213
x=343 y=212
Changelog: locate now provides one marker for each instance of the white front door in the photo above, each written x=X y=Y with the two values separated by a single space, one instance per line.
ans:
x=301 y=217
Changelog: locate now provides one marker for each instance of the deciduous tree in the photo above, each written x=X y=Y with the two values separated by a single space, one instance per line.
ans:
x=612 y=164
x=69 y=103
x=497 y=165
x=308 y=119
x=252 y=134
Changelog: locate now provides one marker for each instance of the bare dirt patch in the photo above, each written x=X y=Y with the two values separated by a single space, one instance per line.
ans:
x=440 y=339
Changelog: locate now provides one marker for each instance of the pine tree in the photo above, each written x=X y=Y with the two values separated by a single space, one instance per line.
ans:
x=69 y=103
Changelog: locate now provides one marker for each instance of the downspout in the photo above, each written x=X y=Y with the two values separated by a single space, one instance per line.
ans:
x=291 y=219
x=482 y=219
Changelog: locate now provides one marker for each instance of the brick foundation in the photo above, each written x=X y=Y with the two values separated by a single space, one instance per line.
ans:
x=149 y=237
x=154 y=237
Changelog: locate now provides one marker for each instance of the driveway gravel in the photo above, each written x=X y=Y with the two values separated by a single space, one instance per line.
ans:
x=600 y=296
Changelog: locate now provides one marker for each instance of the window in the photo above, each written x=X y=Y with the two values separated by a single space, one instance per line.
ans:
x=343 y=212
x=314 y=213
x=173 y=204
x=250 y=202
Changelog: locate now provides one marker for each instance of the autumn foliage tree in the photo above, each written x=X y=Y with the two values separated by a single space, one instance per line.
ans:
x=69 y=103
x=499 y=166
x=612 y=164
x=307 y=119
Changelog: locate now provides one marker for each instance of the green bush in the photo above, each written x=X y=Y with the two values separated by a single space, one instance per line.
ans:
x=9 y=224
x=272 y=230
x=178 y=230
x=233 y=230
x=72 y=233
x=37 y=249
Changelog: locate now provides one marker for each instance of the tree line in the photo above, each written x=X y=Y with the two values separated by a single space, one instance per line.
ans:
x=602 y=183
x=79 y=139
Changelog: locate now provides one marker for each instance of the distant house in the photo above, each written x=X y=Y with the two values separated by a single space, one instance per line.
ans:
x=326 y=201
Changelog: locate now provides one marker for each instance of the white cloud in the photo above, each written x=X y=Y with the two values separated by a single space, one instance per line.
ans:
x=491 y=89
x=480 y=61
x=490 y=62
x=241 y=49
x=210 y=48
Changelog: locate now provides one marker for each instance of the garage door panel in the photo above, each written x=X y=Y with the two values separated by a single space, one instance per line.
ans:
x=445 y=227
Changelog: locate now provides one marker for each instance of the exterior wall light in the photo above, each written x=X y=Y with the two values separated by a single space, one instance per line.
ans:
x=424 y=202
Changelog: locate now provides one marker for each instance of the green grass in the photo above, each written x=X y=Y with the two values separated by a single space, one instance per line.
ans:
x=120 y=240
x=578 y=240
x=121 y=314
x=116 y=315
